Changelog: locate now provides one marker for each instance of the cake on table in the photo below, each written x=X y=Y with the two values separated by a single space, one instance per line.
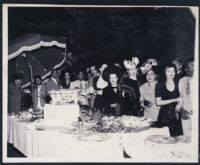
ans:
x=64 y=106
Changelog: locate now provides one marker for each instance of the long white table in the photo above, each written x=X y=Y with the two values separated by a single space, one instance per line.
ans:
x=54 y=144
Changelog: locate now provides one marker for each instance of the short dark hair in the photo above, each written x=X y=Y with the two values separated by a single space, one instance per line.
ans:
x=177 y=58
x=93 y=65
x=67 y=71
x=53 y=70
x=18 y=76
x=80 y=71
x=37 y=76
x=189 y=60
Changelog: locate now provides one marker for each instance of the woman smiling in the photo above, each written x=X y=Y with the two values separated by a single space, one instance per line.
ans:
x=147 y=95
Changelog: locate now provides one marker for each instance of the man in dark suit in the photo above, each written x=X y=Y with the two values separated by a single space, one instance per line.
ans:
x=99 y=84
x=177 y=61
x=15 y=95
x=39 y=93
x=53 y=83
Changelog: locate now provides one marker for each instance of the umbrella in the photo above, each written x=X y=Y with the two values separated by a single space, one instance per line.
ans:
x=42 y=53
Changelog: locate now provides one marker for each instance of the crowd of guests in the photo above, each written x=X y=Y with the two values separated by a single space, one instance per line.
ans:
x=162 y=93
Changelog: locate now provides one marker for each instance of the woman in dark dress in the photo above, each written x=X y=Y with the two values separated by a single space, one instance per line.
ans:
x=111 y=95
x=130 y=95
x=167 y=96
x=66 y=80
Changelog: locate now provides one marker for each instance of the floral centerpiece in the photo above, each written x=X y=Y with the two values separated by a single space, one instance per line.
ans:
x=91 y=120
x=116 y=124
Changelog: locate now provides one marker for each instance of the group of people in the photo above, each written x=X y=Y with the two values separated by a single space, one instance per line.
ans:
x=127 y=89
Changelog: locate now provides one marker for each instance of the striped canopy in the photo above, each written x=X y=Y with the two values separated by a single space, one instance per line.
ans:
x=42 y=52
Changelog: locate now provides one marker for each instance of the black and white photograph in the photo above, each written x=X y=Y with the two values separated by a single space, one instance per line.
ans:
x=86 y=83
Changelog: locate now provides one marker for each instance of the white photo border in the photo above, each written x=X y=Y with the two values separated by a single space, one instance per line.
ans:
x=195 y=125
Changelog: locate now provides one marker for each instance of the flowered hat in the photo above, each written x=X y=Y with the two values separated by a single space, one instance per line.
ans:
x=147 y=65
x=131 y=64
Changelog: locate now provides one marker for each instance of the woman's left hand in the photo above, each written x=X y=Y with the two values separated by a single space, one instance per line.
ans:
x=177 y=108
x=113 y=105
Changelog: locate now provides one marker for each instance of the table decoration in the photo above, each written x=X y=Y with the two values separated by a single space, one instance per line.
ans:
x=64 y=96
x=116 y=124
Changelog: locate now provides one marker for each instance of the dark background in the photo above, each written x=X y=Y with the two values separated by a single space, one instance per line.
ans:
x=111 y=34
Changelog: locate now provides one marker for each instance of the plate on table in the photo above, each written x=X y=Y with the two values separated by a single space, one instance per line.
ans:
x=92 y=137
x=161 y=139
x=183 y=139
x=72 y=130
x=42 y=128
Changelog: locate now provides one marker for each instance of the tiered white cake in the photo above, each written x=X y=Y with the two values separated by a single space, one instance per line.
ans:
x=64 y=107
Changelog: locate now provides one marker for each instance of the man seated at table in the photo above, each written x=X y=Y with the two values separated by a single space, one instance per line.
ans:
x=80 y=83
x=94 y=72
x=39 y=93
x=15 y=94
x=53 y=83
x=177 y=61
x=99 y=84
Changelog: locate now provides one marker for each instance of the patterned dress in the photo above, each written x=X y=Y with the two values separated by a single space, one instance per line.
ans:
x=147 y=93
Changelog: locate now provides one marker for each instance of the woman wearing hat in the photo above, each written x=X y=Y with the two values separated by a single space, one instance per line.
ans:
x=147 y=95
x=111 y=93
x=130 y=95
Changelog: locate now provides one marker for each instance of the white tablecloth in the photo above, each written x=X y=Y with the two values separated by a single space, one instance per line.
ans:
x=140 y=149
x=18 y=135
x=52 y=143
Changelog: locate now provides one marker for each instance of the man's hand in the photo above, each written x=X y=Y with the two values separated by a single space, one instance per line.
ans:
x=147 y=104
x=191 y=112
x=184 y=114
